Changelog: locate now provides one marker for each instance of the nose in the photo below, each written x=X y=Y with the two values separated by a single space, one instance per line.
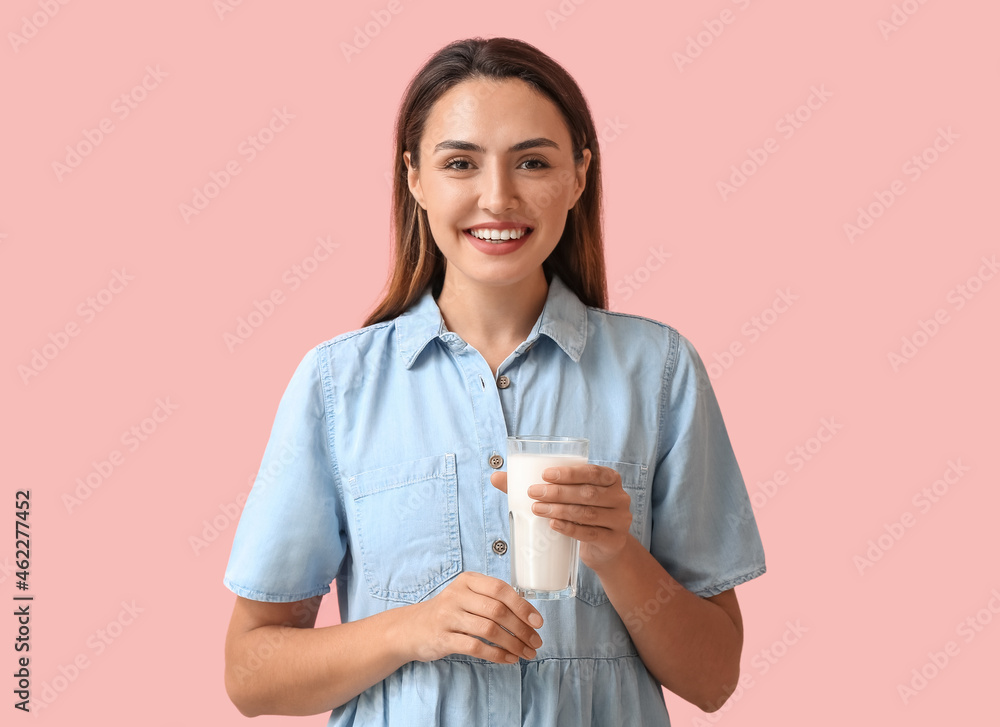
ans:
x=499 y=190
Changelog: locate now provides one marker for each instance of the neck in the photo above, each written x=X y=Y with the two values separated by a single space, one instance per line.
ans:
x=491 y=317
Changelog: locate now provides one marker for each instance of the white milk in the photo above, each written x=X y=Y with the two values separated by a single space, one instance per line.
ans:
x=542 y=556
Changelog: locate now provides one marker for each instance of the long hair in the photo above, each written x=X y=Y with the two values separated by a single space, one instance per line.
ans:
x=578 y=258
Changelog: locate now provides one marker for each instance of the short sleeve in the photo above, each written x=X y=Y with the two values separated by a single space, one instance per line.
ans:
x=289 y=543
x=703 y=529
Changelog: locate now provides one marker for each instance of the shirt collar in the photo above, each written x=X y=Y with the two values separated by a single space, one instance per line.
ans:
x=563 y=319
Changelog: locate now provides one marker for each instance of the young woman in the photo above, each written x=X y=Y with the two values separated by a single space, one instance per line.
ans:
x=384 y=469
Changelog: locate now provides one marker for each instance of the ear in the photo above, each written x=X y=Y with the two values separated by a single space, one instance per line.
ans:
x=413 y=180
x=581 y=176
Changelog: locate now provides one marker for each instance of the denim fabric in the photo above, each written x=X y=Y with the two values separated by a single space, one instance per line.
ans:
x=376 y=477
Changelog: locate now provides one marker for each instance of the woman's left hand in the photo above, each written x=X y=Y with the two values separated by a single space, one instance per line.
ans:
x=586 y=502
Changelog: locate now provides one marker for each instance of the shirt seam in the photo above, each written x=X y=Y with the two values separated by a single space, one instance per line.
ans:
x=347 y=335
x=633 y=316
x=255 y=595
x=669 y=370
x=618 y=657
x=538 y=660
x=471 y=393
x=326 y=381
x=730 y=583
x=396 y=483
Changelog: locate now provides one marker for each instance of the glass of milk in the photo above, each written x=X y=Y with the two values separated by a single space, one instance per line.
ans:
x=544 y=562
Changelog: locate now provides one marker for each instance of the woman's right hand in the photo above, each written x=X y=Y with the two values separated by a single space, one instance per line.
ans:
x=474 y=605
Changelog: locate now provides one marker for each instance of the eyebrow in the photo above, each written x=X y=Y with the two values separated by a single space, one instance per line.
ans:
x=520 y=146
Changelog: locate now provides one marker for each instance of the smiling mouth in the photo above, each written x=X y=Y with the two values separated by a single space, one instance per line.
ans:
x=497 y=236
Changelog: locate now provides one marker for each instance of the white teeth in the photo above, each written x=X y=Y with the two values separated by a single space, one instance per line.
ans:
x=499 y=235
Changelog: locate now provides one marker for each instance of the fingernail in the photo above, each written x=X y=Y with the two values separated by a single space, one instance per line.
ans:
x=536 y=641
x=536 y=490
x=550 y=473
x=535 y=620
x=540 y=508
x=529 y=653
x=510 y=658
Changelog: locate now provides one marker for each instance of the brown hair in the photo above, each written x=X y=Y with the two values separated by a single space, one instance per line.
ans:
x=578 y=258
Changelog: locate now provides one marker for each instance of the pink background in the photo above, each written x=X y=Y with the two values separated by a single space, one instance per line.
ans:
x=672 y=132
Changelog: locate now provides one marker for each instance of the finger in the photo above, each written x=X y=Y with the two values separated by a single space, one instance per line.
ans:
x=589 y=473
x=502 y=591
x=459 y=642
x=592 y=495
x=466 y=644
x=583 y=533
x=488 y=627
x=499 y=481
x=499 y=602
x=581 y=514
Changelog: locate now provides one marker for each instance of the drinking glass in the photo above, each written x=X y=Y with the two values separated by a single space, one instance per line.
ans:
x=544 y=563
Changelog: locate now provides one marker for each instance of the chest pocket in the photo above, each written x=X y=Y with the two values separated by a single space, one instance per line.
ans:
x=588 y=587
x=406 y=527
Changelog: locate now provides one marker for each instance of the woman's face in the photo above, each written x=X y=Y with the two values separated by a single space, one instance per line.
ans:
x=495 y=160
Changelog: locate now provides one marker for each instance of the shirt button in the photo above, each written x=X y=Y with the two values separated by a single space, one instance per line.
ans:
x=499 y=547
x=496 y=461
x=503 y=382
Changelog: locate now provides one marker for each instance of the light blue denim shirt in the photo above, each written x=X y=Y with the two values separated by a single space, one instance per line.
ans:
x=377 y=476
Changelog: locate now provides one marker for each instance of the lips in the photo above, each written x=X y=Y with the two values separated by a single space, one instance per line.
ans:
x=499 y=246
x=496 y=234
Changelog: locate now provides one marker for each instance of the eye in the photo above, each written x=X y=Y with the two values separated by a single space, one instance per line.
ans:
x=456 y=163
x=542 y=164
x=450 y=164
